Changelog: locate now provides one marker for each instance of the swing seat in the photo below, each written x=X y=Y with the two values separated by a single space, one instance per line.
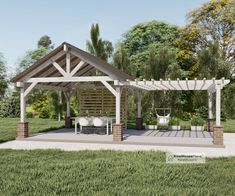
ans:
x=163 y=120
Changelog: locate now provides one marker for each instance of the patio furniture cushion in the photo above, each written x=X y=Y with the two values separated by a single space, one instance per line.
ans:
x=86 y=121
x=100 y=122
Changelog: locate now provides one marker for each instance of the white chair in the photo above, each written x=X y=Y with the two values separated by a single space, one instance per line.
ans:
x=84 y=122
x=101 y=122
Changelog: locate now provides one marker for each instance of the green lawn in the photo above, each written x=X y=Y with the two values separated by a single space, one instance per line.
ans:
x=54 y=172
x=229 y=125
x=8 y=126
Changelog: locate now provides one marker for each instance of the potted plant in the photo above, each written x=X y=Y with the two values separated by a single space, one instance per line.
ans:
x=151 y=122
x=197 y=123
x=174 y=124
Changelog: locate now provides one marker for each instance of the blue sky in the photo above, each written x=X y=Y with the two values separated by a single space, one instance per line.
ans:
x=23 y=22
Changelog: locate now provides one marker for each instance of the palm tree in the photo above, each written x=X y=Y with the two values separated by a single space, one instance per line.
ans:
x=98 y=47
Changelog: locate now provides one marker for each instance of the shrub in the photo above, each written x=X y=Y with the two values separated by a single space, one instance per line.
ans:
x=202 y=111
x=29 y=114
x=10 y=107
x=197 y=121
x=151 y=120
x=44 y=113
x=174 y=121
x=186 y=116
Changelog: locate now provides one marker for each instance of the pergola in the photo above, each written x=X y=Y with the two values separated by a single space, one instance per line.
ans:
x=67 y=66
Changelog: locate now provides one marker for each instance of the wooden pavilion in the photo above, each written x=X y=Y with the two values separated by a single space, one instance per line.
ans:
x=68 y=69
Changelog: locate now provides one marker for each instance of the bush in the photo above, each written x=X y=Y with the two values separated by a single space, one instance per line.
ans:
x=229 y=100
x=197 y=121
x=186 y=116
x=174 y=121
x=10 y=107
x=44 y=113
x=151 y=120
x=29 y=114
x=202 y=111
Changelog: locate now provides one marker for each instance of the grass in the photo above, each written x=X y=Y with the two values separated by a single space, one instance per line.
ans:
x=8 y=127
x=229 y=125
x=54 y=172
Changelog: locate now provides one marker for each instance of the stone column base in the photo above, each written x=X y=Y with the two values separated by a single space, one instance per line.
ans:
x=218 y=136
x=117 y=133
x=68 y=122
x=210 y=125
x=22 y=130
x=139 y=123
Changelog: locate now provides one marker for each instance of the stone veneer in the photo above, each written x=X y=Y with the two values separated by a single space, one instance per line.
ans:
x=117 y=133
x=218 y=136
x=22 y=130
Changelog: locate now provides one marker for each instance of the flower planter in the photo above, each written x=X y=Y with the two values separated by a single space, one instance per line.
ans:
x=174 y=128
x=151 y=127
x=197 y=128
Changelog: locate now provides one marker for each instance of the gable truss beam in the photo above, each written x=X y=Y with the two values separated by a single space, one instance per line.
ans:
x=44 y=65
x=68 y=67
x=70 y=79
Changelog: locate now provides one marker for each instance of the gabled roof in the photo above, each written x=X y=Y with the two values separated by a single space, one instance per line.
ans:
x=44 y=67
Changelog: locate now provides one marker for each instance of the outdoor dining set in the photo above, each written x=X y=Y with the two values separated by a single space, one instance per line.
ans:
x=96 y=122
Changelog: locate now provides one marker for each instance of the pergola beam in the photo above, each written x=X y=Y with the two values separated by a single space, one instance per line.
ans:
x=182 y=85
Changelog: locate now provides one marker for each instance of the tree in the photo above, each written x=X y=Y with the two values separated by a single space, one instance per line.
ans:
x=229 y=100
x=31 y=56
x=45 y=41
x=98 y=47
x=121 y=60
x=213 y=21
x=3 y=77
x=211 y=62
x=144 y=37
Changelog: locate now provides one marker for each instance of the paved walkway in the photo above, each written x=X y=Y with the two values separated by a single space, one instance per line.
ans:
x=229 y=149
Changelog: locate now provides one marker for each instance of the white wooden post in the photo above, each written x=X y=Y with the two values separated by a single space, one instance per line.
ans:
x=139 y=107
x=60 y=103
x=68 y=62
x=118 y=104
x=210 y=114
x=218 y=104
x=67 y=97
x=22 y=105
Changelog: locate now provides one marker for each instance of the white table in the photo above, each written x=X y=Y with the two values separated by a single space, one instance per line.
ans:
x=109 y=122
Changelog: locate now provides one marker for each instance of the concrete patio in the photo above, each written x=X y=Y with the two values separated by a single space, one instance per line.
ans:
x=146 y=137
x=30 y=144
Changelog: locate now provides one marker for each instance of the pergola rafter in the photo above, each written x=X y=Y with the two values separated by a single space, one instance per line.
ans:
x=178 y=85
